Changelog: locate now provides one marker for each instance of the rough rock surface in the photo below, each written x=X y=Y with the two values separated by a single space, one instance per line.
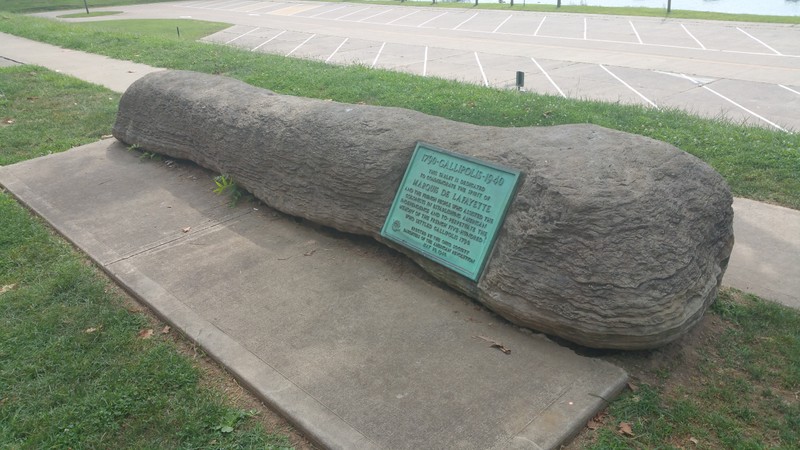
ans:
x=613 y=241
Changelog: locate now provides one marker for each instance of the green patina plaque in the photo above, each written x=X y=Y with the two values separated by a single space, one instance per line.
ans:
x=449 y=208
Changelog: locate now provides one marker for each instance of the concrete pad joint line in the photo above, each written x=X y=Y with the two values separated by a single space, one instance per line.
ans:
x=629 y=86
x=546 y=407
x=242 y=35
x=692 y=36
x=483 y=74
x=462 y=23
x=503 y=23
x=759 y=41
x=267 y=41
x=337 y=49
x=541 y=69
x=195 y=233
x=301 y=44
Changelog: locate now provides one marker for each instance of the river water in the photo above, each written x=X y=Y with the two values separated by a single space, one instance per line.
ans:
x=761 y=7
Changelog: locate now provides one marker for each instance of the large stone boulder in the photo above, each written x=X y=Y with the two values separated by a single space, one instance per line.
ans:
x=613 y=240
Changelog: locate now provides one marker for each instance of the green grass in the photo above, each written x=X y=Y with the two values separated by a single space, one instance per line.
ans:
x=74 y=372
x=78 y=113
x=33 y=6
x=741 y=393
x=190 y=30
x=758 y=163
x=91 y=14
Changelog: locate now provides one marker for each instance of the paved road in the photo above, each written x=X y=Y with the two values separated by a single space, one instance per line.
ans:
x=747 y=72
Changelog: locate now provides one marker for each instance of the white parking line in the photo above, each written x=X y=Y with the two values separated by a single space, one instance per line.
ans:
x=462 y=23
x=246 y=6
x=636 y=32
x=548 y=78
x=744 y=109
x=327 y=11
x=502 y=23
x=190 y=4
x=402 y=17
x=350 y=14
x=242 y=35
x=267 y=41
x=585 y=28
x=692 y=36
x=431 y=20
x=759 y=41
x=215 y=4
x=789 y=89
x=238 y=4
x=375 y=15
x=764 y=119
x=375 y=61
x=337 y=49
x=269 y=5
x=535 y=33
x=301 y=44
x=425 y=63
x=483 y=74
x=629 y=86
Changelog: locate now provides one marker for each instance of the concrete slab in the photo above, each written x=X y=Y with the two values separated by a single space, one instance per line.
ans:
x=112 y=73
x=349 y=340
x=766 y=256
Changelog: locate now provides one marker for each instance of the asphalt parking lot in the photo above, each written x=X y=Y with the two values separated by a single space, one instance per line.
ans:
x=747 y=72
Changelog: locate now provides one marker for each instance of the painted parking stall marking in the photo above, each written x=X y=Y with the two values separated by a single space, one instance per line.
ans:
x=624 y=78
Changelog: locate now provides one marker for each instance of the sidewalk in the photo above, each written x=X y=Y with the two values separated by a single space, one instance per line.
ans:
x=351 y=342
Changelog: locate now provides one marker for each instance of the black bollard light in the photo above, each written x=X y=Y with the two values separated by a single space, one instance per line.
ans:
x=520 y=80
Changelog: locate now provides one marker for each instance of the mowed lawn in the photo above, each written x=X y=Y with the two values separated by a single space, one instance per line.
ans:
x=732 y=383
